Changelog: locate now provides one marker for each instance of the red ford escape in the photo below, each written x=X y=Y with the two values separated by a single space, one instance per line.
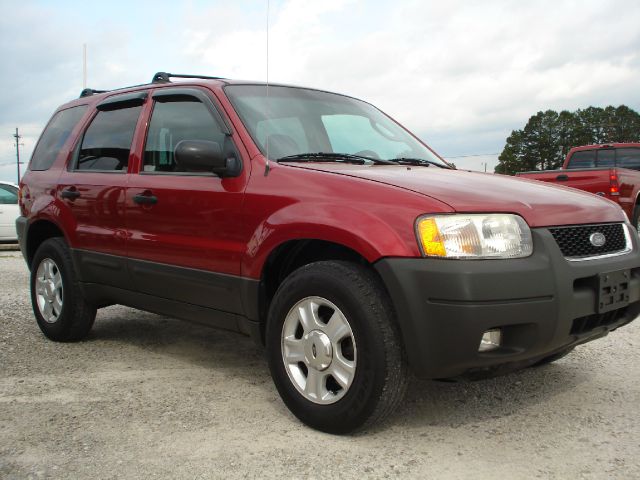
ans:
x=322 y=228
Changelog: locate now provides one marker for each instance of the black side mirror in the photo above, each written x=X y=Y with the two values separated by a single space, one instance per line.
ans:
x=205 y=156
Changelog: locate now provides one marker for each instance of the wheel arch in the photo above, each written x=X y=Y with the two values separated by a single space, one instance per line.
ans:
x=38 y=232
x=291 y=255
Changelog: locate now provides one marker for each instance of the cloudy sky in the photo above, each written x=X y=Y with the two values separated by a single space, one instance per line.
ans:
x=459 y=74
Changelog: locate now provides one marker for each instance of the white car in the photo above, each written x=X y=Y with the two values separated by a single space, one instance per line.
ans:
x=9 y=211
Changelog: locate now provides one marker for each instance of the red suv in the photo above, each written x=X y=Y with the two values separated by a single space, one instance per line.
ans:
x=322 y=228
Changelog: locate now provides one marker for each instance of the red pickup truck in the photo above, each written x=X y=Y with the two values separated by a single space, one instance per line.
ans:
x=322 y=228
x=611 y=171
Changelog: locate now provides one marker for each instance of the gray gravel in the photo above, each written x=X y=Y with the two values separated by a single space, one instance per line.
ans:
x=148 y=396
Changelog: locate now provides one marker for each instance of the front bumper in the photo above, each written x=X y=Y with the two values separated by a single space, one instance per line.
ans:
x=543 y=304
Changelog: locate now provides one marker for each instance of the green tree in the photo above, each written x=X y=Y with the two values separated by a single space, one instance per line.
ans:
x=548 y=136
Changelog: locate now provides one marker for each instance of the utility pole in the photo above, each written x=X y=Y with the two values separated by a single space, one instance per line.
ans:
x=17 y=136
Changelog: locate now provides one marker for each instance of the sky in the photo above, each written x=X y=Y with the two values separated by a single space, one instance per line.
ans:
x=459 y=74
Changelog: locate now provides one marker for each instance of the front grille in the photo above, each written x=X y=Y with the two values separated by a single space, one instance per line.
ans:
x=574 y=242
x=591 y=322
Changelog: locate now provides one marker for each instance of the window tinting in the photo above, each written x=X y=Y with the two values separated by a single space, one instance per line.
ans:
x=107 y=141
x=172 y=122
x=628 y=158
x=54 y=137
x=8 y=195
x=606 y=158
x=583 y=159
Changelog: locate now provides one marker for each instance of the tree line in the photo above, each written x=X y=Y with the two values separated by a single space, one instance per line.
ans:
x=547 y=137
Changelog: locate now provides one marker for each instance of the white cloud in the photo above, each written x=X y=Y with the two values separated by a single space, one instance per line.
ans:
x=476 y=69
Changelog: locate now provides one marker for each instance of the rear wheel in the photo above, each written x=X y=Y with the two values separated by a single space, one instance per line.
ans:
x=334 y=350
x=61 y=311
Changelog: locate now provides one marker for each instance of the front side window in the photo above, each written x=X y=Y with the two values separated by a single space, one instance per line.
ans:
x=173 y=121
x=106 y=143
x=297 y=121
x=54 y=137
x=8 y=195
x=583 y=159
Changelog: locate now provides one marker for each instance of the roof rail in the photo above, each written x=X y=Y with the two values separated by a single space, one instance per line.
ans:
x=160 y=77
x=87 y=92
x=164 y=77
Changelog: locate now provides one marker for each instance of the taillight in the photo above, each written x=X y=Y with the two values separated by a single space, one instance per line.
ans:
x=614 y=187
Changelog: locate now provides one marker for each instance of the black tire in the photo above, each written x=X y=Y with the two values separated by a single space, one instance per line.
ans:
x=76 y=316
x=380 y=377
x=554 y=357
x=635 y=221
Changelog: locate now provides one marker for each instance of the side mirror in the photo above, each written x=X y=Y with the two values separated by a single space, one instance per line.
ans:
x=205 y=156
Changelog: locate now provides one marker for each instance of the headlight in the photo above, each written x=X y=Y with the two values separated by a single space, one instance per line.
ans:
x=474 y=236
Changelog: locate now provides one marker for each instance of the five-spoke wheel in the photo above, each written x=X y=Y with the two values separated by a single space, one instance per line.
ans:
x=61 y=310
x=318 y=350
x=333 y=346
x=49 y=290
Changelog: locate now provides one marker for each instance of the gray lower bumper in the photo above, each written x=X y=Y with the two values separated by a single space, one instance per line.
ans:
x=542 y=303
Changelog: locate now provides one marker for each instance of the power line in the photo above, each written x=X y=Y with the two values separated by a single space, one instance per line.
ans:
x=474 y=155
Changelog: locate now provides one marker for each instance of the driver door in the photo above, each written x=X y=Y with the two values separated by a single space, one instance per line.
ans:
x=183 y=236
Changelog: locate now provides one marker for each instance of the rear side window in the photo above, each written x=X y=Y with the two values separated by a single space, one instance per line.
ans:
x=173 y=121
x=106 y=143
x=628 y=158
x=583 y=159
x=54 y=137
x=8 y=195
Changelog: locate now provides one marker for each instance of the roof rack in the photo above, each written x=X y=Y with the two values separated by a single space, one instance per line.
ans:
x=160 y=77
x=87 y=92
x=164 y=77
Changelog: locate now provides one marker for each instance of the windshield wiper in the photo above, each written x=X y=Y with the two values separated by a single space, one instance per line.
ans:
x=334 y=157
x=417 y=161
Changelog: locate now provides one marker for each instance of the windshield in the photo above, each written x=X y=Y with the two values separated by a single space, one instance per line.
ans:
x=296 y=121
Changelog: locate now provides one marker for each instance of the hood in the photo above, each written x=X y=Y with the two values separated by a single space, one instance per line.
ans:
x=539 y=203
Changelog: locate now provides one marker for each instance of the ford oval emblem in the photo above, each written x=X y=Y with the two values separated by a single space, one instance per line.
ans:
x=597 y=239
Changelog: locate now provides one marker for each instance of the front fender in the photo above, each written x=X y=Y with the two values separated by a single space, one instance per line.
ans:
x=363 y=231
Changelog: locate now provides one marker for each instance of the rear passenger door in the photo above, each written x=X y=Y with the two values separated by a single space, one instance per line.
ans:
x=93 y=189
x=184 y=227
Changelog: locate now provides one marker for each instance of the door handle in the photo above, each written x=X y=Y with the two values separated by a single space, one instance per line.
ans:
x=562 y=178
x=145 y=198
x=70 y=193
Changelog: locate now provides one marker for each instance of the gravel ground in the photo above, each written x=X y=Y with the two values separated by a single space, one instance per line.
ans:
x=152 y=397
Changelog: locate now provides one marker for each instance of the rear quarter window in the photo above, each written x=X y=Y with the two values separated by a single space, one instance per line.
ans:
x=54 y=137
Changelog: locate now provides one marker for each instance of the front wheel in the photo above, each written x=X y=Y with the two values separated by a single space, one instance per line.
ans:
x=334 y=349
